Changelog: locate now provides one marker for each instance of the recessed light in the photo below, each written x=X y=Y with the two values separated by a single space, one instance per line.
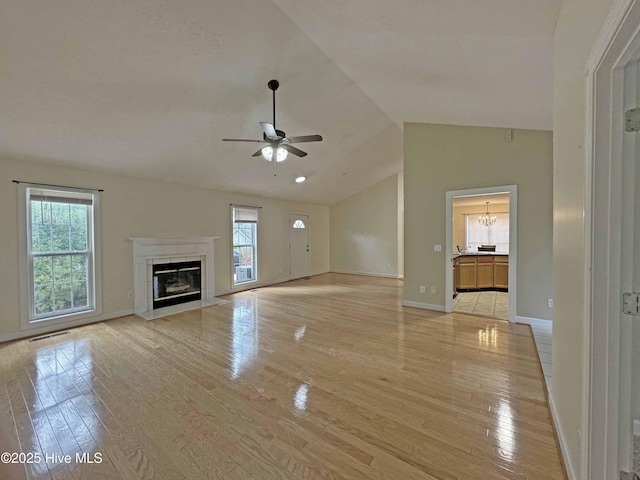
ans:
x=300 y=179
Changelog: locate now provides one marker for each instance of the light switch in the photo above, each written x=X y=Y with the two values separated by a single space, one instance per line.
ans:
x=437 y=248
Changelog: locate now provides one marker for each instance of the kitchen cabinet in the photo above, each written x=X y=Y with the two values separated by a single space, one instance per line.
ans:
x=501 y=272
x=480 y=272
x=467 y=266
x=484 y=278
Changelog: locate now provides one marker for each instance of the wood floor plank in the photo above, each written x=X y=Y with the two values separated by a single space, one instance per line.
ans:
x=324 y=378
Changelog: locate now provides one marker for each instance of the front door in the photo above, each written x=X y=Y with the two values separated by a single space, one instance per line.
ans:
x=299 y=255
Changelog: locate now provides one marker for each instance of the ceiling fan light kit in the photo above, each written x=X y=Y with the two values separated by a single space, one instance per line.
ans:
x=267 y=153
x=277 y=139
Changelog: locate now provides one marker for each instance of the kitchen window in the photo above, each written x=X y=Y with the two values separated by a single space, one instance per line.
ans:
x=495 y=234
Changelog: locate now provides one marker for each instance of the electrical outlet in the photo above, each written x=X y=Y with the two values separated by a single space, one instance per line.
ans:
x=550 y=302
x=433 y=290
x=423 y=289
x=130 y=294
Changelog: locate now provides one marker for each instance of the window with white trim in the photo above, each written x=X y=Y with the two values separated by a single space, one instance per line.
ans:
x=60 y=252
x=245 y=244
x=495 y=234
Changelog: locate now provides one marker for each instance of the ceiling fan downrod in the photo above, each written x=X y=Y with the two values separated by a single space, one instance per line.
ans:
x=273 y=86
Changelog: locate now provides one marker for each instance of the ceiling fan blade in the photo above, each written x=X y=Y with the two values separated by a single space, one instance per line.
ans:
x=294 y=150
x=305 y=138
x=241 y=140
x=269 y=130
x=258 y=153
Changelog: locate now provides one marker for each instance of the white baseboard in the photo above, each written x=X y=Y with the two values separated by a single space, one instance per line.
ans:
x=33 y=332
x=424 y=306
x=251 y=286
x=535 y=322
x=367 y=274
x=571 y=473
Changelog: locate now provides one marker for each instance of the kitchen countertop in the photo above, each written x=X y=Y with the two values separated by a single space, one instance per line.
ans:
x=480 y=254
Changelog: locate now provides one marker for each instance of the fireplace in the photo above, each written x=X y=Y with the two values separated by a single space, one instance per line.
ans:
x=151 y=251
x=175 y=283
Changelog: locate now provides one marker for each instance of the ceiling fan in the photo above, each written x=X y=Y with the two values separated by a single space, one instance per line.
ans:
x=278 y=143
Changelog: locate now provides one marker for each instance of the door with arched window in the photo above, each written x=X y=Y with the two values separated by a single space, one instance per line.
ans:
x=299 y=254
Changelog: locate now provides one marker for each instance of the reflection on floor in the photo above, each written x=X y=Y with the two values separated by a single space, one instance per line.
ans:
x=489 y=304
x=325 y=378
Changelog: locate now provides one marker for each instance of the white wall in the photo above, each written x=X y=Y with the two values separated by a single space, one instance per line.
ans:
x=136 y=207
x=365 y=231
x=578 y=25
x=440 y=158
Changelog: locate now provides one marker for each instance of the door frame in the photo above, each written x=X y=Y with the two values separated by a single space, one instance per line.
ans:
x=606 y=187
x=512 y=190
x=309 y=239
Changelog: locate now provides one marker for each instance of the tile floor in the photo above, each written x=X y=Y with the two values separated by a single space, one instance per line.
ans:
x=489 y=304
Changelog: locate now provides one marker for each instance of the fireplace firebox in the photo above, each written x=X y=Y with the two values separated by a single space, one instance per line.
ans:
x=175 y=283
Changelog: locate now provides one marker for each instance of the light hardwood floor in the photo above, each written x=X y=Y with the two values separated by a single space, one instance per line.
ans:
x=325 y=378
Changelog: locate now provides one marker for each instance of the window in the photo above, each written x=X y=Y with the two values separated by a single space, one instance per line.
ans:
x=60 y=252
x=496 y=234
x=245 y=244
x=299 y=224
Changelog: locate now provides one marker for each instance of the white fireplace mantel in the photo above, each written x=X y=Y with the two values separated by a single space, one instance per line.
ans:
x=150 y=250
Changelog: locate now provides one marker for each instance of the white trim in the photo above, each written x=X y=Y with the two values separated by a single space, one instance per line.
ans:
x=180 y=308
x=24 y=267
x=618 y=41
x=308 y=230
x=255 y=249
x=424 y=306
x=535 y=322
x=149 y=250
x=513 y=242
x=244 y=287
x=366 y=274
x=62 y=326
x=571 y=473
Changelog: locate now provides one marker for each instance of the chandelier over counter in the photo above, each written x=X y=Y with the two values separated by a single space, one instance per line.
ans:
x=486 y=219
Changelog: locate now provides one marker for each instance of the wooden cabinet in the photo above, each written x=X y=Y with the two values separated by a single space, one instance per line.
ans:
x=501 y=272
x=467 y=266
x=481 y=272
x=484 y=278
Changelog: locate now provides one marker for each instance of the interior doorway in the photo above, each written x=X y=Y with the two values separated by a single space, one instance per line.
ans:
x=299 y=254
x=481 y=252
x=480 y=259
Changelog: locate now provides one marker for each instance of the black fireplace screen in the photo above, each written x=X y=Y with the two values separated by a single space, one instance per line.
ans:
x=175 y=283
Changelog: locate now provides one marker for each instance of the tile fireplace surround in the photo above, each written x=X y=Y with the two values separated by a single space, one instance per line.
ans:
x=148 y=251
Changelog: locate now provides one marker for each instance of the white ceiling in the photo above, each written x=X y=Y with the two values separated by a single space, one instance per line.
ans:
x=149 y=88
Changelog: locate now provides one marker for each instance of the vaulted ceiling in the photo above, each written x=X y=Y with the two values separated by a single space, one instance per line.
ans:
x=149 y=88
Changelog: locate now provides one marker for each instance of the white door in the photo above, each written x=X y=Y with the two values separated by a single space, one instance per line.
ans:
x=299 y=255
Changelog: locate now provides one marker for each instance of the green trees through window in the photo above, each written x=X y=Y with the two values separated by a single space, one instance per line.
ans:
x=60 y=254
